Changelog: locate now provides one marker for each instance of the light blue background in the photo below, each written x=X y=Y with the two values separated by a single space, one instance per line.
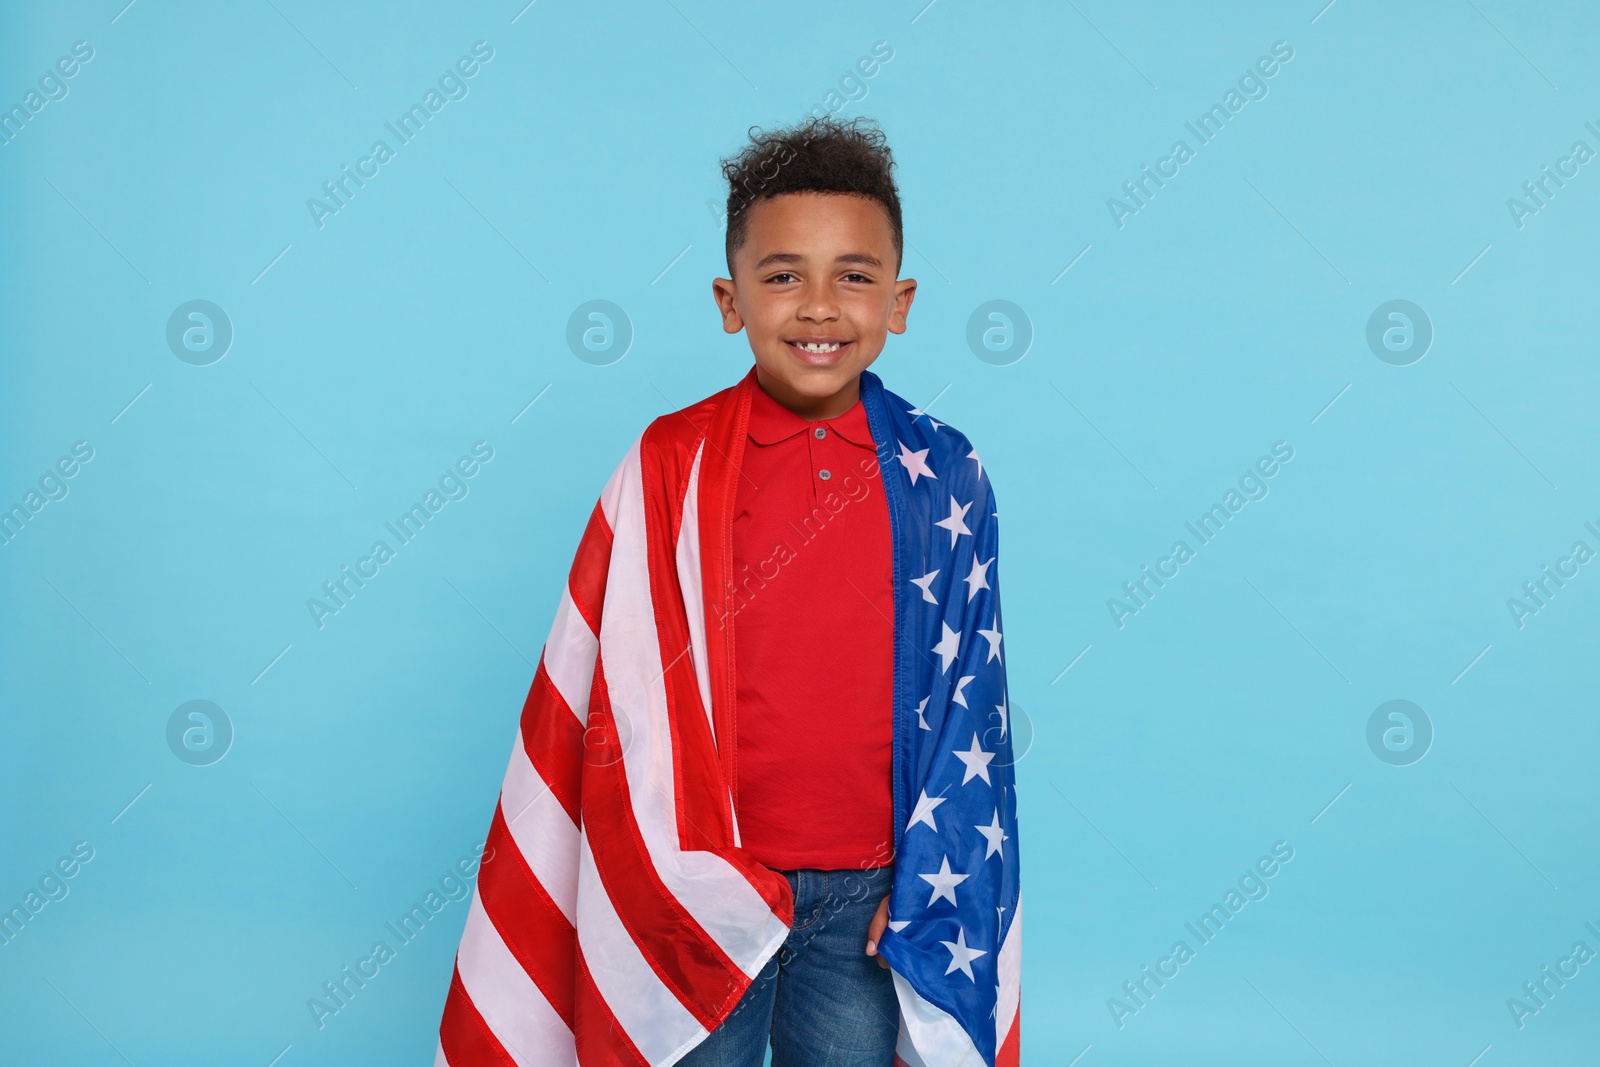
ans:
x=1226 y=315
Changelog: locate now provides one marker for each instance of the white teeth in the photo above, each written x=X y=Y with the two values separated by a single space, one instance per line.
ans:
x=819 y=349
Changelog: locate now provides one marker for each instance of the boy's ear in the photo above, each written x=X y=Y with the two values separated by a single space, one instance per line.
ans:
x=904 y=291
x=722 y=291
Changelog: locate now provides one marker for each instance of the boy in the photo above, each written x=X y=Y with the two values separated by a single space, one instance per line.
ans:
x=763 y=786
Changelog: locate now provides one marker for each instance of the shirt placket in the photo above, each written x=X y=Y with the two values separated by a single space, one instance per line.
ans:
x=820 y=451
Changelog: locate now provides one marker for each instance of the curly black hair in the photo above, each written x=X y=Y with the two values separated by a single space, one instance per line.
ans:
x=820 y=155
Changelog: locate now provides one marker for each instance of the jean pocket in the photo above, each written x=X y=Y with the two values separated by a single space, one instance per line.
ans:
x=818 y=905
x=863 y=886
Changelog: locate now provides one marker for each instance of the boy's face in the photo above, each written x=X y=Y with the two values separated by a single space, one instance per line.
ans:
x=814 y=289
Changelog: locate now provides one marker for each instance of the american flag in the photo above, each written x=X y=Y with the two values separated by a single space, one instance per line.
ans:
x=616 y=920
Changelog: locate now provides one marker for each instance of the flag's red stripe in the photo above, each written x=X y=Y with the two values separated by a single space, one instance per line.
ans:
x=1010 y=1053
x=553 y=738
x=685 y=958
x=586 y=582
x=699 y=795
x=719 y=473
x=726 y=420
x=601 y=1040
x=465 y=1036
x=530 y=924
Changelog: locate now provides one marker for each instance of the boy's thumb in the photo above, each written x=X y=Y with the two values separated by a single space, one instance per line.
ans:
x=875 y=929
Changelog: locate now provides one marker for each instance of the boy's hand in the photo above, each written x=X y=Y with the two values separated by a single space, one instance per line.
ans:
x=879 y=923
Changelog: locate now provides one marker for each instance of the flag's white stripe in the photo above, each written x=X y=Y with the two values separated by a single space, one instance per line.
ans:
x=611 y=495
x=713 y=891
x=1009 y=966
x=646 y=1010
x=904 y=1051
x=569 y=654
x=929 y=1035
x=542 y=829
x=518 y=1014
x=689 y=582
x=439 y=1059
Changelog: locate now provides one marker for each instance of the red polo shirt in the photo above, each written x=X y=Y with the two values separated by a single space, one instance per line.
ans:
x=812 y=613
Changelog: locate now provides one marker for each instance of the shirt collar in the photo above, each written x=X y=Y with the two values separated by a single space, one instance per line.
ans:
x=771 y=422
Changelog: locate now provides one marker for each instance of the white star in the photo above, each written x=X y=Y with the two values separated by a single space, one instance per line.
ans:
x=944 y=883
x=898 y=926
x=960 y=697
x=915 y=463
x=961 y=956
x=973 y=455
x=977 y=578
x=918 y=413
x=994 y=835
x=948 y=643
x=956 y=521
x=923 y=723
x=923 y=583
x=924 y=811
x=993 y=637
x=977 y=761
x=1000 y=709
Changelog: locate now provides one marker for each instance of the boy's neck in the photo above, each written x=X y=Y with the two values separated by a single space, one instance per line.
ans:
x=811 y=408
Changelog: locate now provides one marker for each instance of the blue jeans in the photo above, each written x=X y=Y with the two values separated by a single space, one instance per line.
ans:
x=821 y=999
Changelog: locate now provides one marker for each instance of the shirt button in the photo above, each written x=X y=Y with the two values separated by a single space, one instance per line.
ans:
x=819 y=433
x=824 y=474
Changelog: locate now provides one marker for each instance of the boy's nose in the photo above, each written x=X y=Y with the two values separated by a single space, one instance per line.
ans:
x=819 y=309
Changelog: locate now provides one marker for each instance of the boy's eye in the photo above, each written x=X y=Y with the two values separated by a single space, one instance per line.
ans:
x=781 y=276
x=855 y=276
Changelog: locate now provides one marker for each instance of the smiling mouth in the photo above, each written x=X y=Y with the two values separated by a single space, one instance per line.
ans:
x=820 y=349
